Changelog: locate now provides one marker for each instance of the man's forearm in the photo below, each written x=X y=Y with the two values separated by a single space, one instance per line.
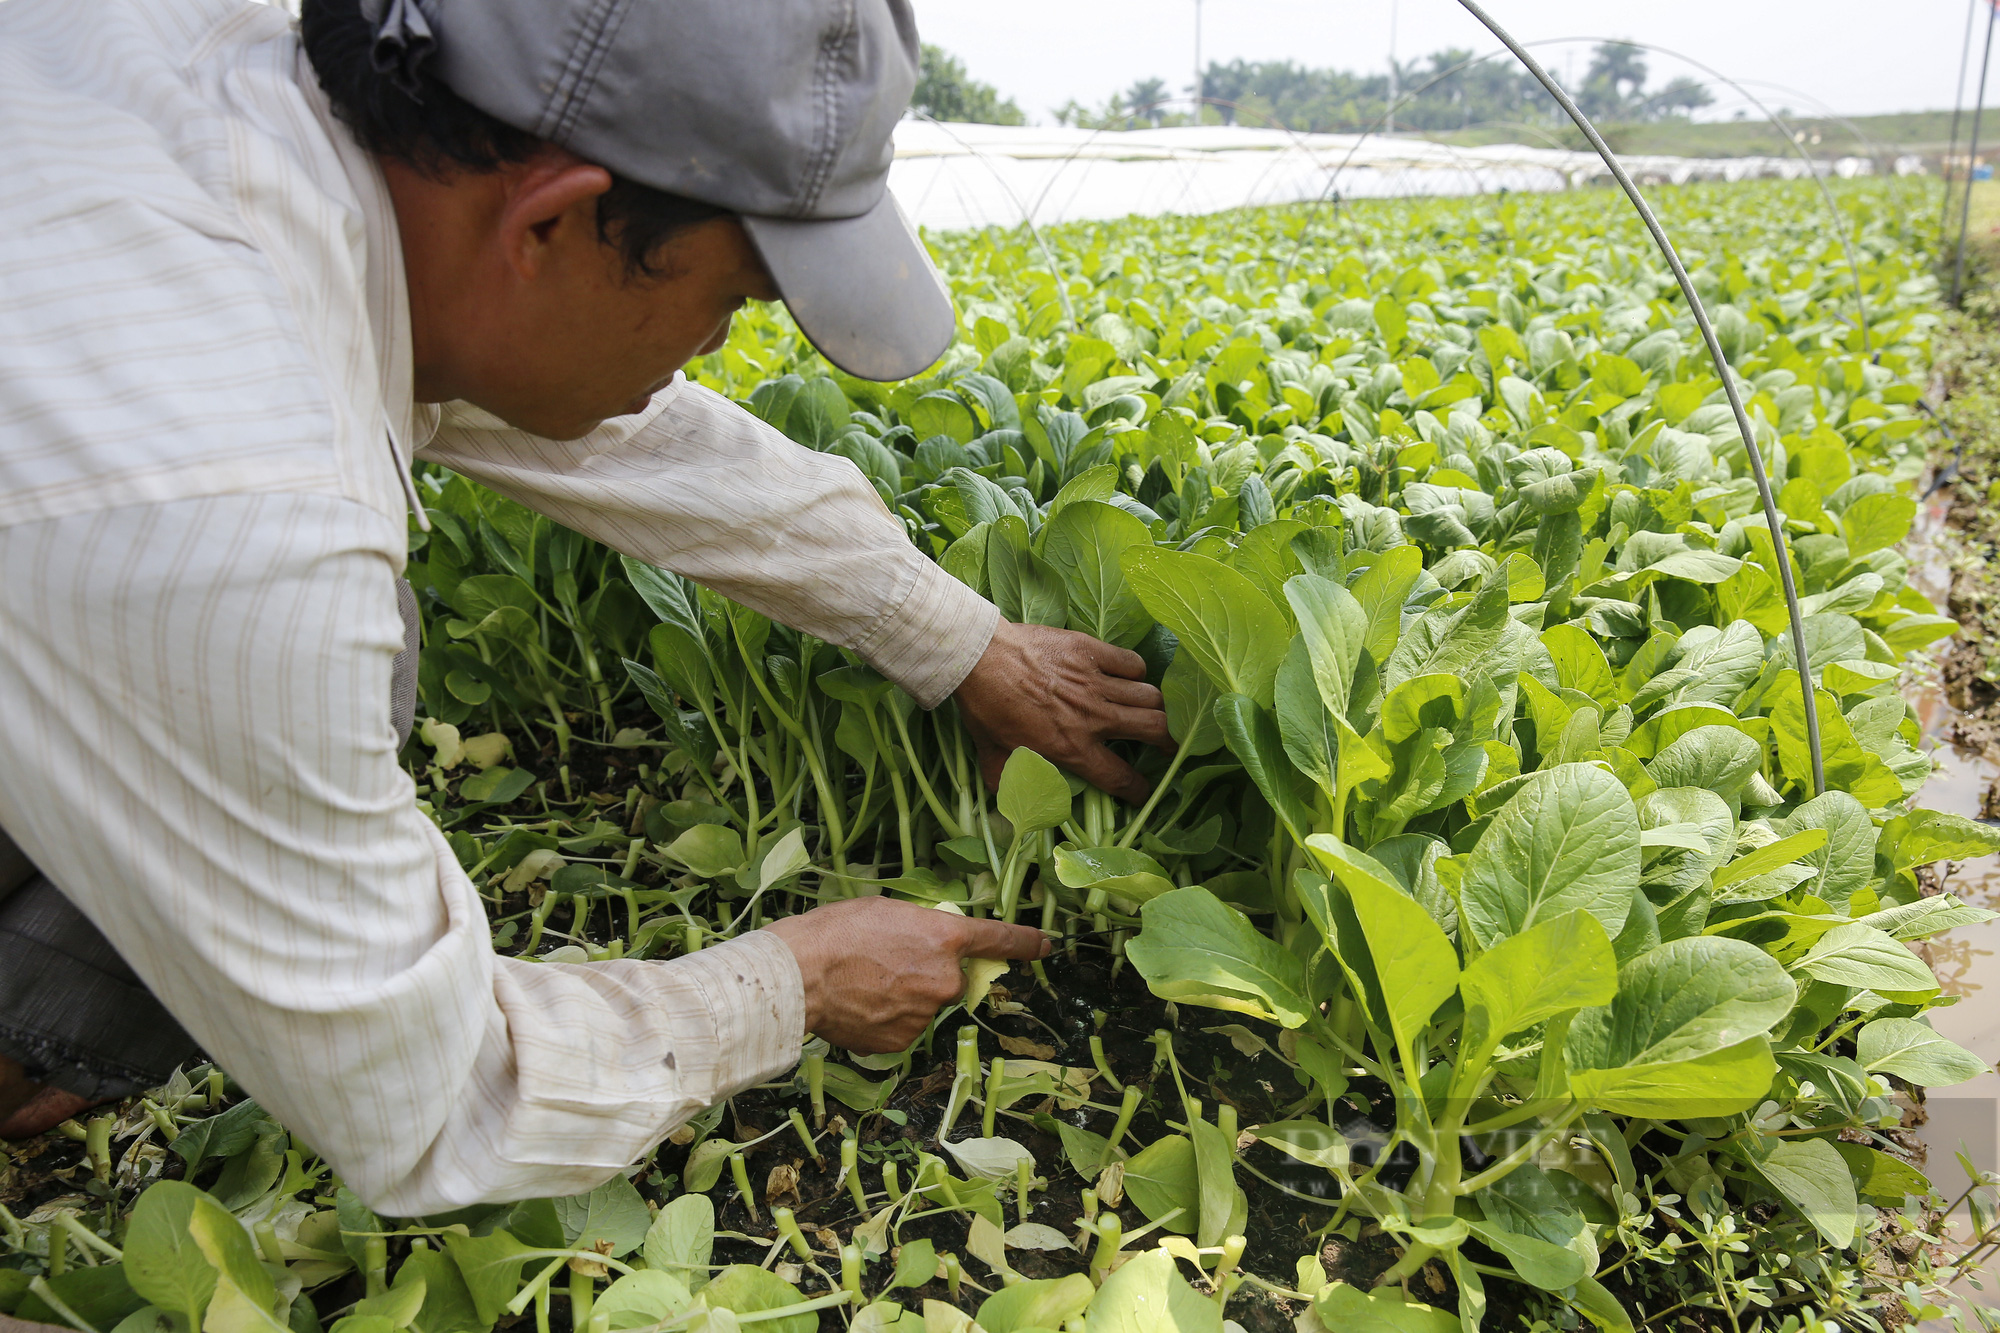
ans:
x=699 y=486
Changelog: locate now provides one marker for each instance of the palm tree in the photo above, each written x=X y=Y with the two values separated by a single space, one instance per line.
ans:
x=1616 y=77
x=1147 y=98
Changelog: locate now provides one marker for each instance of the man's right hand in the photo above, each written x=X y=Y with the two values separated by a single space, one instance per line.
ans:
x=877 y=970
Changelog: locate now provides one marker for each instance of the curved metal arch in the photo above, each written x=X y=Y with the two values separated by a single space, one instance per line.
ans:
x=1722 y=368
x=1027 y=217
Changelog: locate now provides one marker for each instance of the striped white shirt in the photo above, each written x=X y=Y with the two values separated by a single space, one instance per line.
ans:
x=204 y=359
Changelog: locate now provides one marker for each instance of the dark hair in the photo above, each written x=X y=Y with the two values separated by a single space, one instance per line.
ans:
x=438 y=133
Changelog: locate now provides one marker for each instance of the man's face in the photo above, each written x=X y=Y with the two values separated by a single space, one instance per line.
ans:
x=517 y=306
x=597 y=341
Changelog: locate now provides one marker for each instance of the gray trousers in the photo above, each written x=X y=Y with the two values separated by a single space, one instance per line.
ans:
x=72 y=1014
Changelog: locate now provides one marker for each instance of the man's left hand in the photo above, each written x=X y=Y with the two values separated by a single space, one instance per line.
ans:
x=1063 y=695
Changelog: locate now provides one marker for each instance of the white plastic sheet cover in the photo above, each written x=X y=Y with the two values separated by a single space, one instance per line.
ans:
x=950 y=176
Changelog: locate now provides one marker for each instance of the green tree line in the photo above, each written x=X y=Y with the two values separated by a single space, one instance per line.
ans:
x=1446 y=90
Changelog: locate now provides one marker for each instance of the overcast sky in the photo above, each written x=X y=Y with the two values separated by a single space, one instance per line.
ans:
x=1856 y=57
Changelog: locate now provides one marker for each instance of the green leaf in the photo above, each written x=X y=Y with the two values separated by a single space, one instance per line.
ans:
x=1026 y=1306
x=612 y=1212
x=447 y=1305
x=1813 y=1177
x=1696 y=566
x=1671 y=875
x=1420 y=702
x=705 y=1163
x=965 y=559
x=498 y=784
x=681 y=1239
x=642 y=1299
x=1849 y=768
x=364 y=1323
x=783 y=859
x=885 y=1316
x=940 y=413
x=147 y=1319
x=1926 y=916
x=491 y=1268
x=916 y=1265
x=671 y=597
x=1381 y=591
x=683 y=663
x=1162 y=1177
x=1194 y=947
x=1539 y=1263
x=100 y=1296
x=1313 y=1142
x=1847 y=863
x=851 y=1090
x=1877 y=522
x=1560 y=964
x=1715 y=758
x=1391 y=320
x=1568 y=839
x=1308 y=729
x=1147 y=1294
x=1906 y=1047
x=1025 y=587
x=480 y=596
x=397 y=1306
x=746 y=1289
x=1225 y=621
x=222 y=1135
x=1770 y=856
x=1415 y=963
x=1684 y=999
x=1254 y=738
x=1033 y=795
x=161 y=1260
x=1335 y=631
x=1119 y=871
x=1886 y=1180
x=709 y=850
x=1860 y=955
x=1527 y=1202
x=1084 y=542
x=1935 y=835
x=1701 y=999
x=1097 y=483
x=245 y=1299
x=1599 y=1306
x=1721 y=1083
x=356 y=1220
x=1384 y=1310
x=1909 y=634
x=1224 y=1208
x=1088 y=1153
x=989 y=1159
x=1190 y=695
x=1687 y=837
x=1456 y=643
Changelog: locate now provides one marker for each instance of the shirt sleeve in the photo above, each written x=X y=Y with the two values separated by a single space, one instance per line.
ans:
x=697 y=485
x=199 y=755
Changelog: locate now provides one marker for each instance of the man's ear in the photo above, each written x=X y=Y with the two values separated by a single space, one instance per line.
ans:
x=549 y=208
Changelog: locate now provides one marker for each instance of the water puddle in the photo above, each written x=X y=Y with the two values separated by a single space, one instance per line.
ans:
x=1966 y=1118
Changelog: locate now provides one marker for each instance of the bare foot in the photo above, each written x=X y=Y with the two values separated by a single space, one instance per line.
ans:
x=42 y=1112
x=28 y=1108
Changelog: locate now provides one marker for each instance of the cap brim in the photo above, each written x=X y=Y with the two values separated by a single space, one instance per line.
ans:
x=862 y=289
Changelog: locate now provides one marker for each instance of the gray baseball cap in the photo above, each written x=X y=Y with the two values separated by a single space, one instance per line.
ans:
x=780 y=111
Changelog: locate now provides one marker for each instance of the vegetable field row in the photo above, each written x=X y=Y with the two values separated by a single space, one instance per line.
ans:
x=1500 y=966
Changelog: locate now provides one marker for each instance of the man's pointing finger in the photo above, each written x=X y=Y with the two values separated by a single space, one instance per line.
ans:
x=999 y=939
